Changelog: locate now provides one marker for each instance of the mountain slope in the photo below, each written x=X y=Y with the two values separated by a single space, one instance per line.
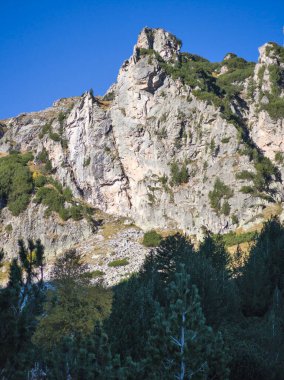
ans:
x=178 y=143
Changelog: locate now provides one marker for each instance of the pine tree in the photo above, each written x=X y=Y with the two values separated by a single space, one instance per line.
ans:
x=180 y=344
x=274 y=332
x=160 y=267
x=130 y=320
x=74 y=303
x=20 y=304
x=264 y=270
x=86 y=358
x=213 y=248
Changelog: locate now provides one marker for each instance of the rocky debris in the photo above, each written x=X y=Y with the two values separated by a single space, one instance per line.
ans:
x=114 y=259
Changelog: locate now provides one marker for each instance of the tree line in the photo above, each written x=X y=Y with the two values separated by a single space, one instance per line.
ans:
x=189 y=313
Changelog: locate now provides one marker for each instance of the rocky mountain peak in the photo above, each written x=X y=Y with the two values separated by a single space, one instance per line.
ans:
x=163 y=42
x=169 y=146
x=270 y=54
x=229 y=56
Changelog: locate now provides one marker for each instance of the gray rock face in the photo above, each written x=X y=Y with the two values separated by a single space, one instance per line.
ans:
x=120 y=153
x=163 y=42
x=55 y=235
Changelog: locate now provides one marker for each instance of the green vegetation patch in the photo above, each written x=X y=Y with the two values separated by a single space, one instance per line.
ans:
x=279 y=158
x=265 y=173
x=219 y=197
x=152 y=239
x=16 y=183
x=232 y=238
x=275 y=108
x=97 y=273
x=119 y=263
x=55 y=136
x=179 y=174
x=228 y=81
x=55 y=197
x=109 y=96
x=275 y=105
x=276 y=49
x=219 y=90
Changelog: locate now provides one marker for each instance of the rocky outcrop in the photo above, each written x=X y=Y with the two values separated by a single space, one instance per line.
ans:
x=55 y=234
x=267 y=132
x=120 y=155
x=161 y=41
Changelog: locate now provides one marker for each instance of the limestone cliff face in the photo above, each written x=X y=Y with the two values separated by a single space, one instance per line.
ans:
x=267 y=133
x=54 y=234
x=119 y=155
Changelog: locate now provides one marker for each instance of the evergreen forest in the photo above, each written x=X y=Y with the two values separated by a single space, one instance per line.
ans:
x=192 y=312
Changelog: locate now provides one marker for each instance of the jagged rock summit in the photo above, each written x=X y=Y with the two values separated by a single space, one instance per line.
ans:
x=159 y=40
x=177 y=143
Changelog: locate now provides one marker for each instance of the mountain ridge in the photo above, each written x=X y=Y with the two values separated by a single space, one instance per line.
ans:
x=177 y=143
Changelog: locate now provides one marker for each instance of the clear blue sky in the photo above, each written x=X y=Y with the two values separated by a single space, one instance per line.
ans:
x=58 y=48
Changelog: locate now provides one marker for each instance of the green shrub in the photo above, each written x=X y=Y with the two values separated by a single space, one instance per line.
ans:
x=247 y=190
x=142 y=52
x=275 y=76
x=226 y=208
x=16 y=184
x=235 y=62
x=64 y=143
x=97 y=273
x=118 y=263
x=87 y=162
x=219 y=193
x=76 y=212
x=178 y=175
x=9 y=228
x=19 y=204
x=279 y=157
x=45 y=130
x=209 y=97
x=55 y=198
x=265 y=171
x=40 y=181
x=67 y=194
x=50 y=198
x=56 y=184
x=57 y=137
x=43 y=156
x=110 y=96
x=278 y=50
x=245 y=174
x=163 y=180
x=231 y=238
x=227 y=82
x=212 y=146
x=275 y=108
x=54 y=136
x=152 y=239
x=47 y=167
x=235 y=219
x=64 y=214
x=194 y=72
x=61 y=117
